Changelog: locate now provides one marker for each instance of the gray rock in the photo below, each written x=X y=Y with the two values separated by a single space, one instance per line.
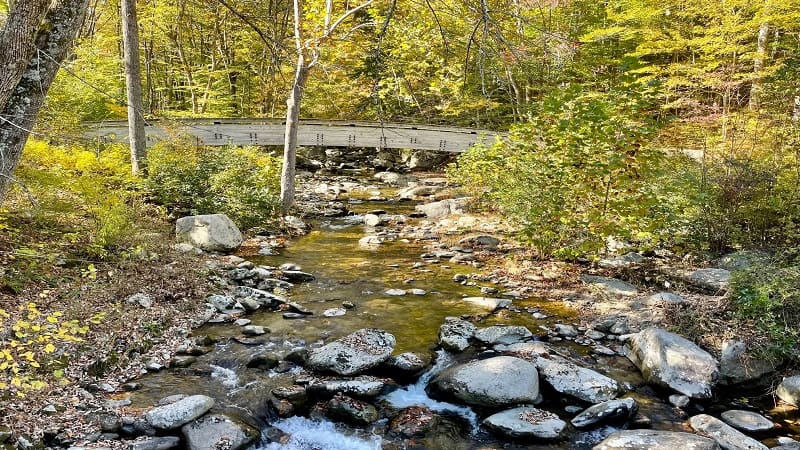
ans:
x=156 y=443
x=727 y=437
x=594 y=334
x=416 y=291
x=296 y=224
x=141 y=299
x=526 y=422
x=565 y=330
x=747 y=421
x=737 y=365
x=361 y=386
x=669 y=360
x=488 y=303
x=741 y=260
x=679 y=401
x=503 y=334
x=349 y=410
x=664 y=298
x=417 y=192
x=494 y=382
x=455 y=334
x=789 y=390
x=211 y=232
x=580 y=382
x=352 y=354
x=395 y=292
x=415 y=421
x=443 y=208
x=217 y=431
x=613 y=409
x=179 y=413
x=405 y=364
x=711 y=280
x=242 y=322
x=370 y=241
x=655 y=440
x=621 y=261
x=296 y=276
x=611 y=286
x=374 y=220
x=334 y=312
x=480 y=241
x=253 y=330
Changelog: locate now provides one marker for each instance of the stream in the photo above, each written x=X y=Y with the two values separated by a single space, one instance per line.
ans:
x=358 y=277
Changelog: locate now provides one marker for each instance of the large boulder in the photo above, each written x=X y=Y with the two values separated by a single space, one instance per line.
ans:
x=354 y=353
x=455 y=334
x=503 y=334
x=655 y=440
x=738 y=365
x=494 y=382
x=217 y=431
x=670 y=360
x=582 y=383
x=747 y=421
x=526 y=422
x=712 y=280
x=726 y=436
x=443 y=208
x=789 y=390
x=210 y=232
x=179 y=413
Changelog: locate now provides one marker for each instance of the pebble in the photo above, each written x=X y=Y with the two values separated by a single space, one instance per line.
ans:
x=538 y=315
x=242 y=322
x=395 y=292
x=334 y=312
x=679 y=401
x=418 y=291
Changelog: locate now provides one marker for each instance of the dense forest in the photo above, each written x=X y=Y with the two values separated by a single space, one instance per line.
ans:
x=665 y=127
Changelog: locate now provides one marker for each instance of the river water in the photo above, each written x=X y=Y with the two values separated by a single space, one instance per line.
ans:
x=345 y=272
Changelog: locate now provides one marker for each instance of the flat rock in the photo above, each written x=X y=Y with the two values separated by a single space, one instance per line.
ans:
x=624 y=408
x=179 y=413
x=526 y=422
x=611 y=286
x=361 y=386
x=621 y=261
x=217 y=431
x=664 y=298
x=355 y=353
x=655 y=440
x=349 y=410
x=488 y=303
x=156 y=443
x=455 y=334
x=405 y=365
x=415 y=421
x=582 y=383
x=747 y=421
x=726 y=436
x=395 y=292
x=334 y=312
x=711 y=280
x=503 y=334
x=480 y=241
x=789 y=390
x=670 y=360
x=494 y=382
x=210 y=232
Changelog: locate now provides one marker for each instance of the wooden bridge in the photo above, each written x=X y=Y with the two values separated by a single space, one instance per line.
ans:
x=321 y=133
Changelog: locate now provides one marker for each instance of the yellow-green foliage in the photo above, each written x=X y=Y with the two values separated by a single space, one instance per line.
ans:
x=31 y=344
x=241 y=182
x=92 y=187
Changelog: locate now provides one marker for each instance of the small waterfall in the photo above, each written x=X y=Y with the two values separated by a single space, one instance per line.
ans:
x=415 y=395
x=307 y=434
x=227 y=377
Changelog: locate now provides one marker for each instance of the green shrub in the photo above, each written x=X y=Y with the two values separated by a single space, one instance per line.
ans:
x=242 y=182
x=579 y=171
x=769 y=297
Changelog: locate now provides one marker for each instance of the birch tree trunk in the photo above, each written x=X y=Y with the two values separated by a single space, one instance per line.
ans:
x=133 y=83
x=290 y=135
x=758 y=62
x=53 y=42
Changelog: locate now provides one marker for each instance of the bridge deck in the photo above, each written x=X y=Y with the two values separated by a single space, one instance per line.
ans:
x=322 y=133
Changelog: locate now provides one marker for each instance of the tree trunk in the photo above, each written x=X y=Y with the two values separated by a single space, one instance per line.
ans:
x=17 y=44
x=53 y=40
x=133 y=83
x=290 y=136
x=758 y=62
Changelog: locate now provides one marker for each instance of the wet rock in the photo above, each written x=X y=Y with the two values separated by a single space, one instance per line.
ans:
x=727 y=437
x=747 y=421
x=565 y=330
x=595 y=335
x=789 y=390
x=296 y=276
x=415 y=421
x=361 y=387
x=455 y=334
x=156 y=443
x=405 y=365
x=611 y=410
x=737 y=365
x=182 y=361
x=179 y=413
x=225 y=304
x=211 y=232
x=334 y=312
x=253 y=330
x=488 y=303
x=136 y=426
x=417 y=192
x=460 y=278
x=349 y=410
x=611 y=286
x=370 y=241
x=352 y=354
x=296 y=224
x=217 y=431
x=621 y=261
x=655 y=440
x=503 y=334
x=263 y=361
x=679 y=401
x=395 y=292
x=582 y=383
x=494 y=382
x=242 y=322
x=669 y=360
x=526 y=422
x=418 y=291
x=375 y=220
x=293 y=315
x=710 y=280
